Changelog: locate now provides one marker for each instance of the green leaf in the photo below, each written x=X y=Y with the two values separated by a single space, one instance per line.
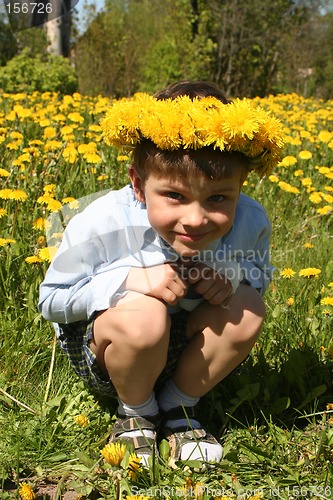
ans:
x=280 y=405
x=250 y=391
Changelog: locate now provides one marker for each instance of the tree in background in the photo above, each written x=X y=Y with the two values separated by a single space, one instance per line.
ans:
x=247 y=48
x=8 y=44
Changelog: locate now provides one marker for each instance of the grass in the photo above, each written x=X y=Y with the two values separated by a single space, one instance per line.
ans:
x=274 y=414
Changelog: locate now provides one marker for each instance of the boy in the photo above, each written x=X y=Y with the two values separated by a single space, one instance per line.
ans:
x=157 y=288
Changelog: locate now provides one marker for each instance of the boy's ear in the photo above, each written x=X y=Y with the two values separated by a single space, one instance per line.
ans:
x=137 y=184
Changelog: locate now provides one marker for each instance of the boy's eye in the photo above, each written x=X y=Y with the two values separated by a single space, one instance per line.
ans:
x=174 y=195
x=217 y=197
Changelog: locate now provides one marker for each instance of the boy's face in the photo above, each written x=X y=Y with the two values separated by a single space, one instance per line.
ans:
x=189 y=213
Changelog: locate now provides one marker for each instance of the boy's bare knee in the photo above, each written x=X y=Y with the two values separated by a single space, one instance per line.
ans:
x=252 y=316
x=141 y=324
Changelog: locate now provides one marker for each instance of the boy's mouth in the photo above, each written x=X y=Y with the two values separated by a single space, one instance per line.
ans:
x=190 y=237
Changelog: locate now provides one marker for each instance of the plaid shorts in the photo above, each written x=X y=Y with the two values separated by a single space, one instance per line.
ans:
x=74 y=339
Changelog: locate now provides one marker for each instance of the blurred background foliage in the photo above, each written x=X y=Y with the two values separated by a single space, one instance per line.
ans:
x=248 y=48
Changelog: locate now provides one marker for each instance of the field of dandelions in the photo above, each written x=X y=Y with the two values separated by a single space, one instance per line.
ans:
x=274 y=414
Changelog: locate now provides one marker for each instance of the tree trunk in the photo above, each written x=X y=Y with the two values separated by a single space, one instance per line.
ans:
x=57 y=25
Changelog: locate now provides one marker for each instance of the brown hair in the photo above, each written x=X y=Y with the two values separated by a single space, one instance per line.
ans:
x=213 y=163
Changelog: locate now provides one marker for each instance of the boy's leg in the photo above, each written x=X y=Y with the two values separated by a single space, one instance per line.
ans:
x=220 y=339
x=130 y=343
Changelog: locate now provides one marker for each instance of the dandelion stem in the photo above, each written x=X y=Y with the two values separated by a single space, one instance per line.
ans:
x=18 y=402
x=47 y=390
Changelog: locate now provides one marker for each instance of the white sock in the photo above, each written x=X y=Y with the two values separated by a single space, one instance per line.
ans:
x=171 y=397
x=148 y=408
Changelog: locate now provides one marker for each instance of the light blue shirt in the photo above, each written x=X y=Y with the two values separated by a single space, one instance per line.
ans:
x=113 y=234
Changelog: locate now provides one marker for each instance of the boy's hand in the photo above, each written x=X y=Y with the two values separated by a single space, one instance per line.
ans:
x=162 y=282
x=213 y=286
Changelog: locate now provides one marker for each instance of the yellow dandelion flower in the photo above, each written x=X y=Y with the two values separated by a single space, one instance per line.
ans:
x=87 y=148
x=53 y=205
x=47 y=254
x=72 y=202
x=59 y=117
x=137 y=497
x=66 y=130
x=330 y=284
x=92 y=157
x=287 y=272
x=26 y=492
x=102 y=177
x=70 y=154
x=16 y=135
x=36 y=142
x=113 y=453
x=41 y=240
x=285 y=186
x=13 y=146
x=307 y=181
x=323 y=170
x=3 y=212
x=45 y=198
x=298 y=173
x=49 y=133
x=52 y=146
x=327 y=197
x=327 y=301
x=33 y=259
x=310 y=272
x=308 y=245
x=327 y=209
x=290 y=301
x=75 y=117
x=122 y=158
x=273 y=178
x=325 y=136
x=288 y=161
x=81 y=420
x=329 y=188
x=45 y=122
x=305 y=155
x=133 y=466
x=4 y=172
x=5 y=193
x=95 y=128
x=6 y=241
x=315 y=197
x=41 y=224
x=13 y=194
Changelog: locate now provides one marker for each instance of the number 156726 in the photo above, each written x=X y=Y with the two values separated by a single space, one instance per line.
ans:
x=29 y=8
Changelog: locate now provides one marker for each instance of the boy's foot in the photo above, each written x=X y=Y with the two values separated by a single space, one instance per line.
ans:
x=187 y=441
x=138 y=432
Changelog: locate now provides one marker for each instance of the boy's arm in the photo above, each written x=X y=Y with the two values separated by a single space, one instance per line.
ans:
x=74 y=286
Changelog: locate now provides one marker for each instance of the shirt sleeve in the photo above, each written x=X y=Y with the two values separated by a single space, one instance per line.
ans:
x=82 y=277
x=255 y=263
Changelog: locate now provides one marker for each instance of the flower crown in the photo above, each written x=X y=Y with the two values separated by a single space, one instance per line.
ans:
x=183 y=123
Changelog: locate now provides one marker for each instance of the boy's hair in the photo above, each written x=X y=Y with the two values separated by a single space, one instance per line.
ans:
x=183 y=163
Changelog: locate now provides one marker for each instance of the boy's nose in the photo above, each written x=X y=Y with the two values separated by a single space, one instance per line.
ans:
x=194 y=216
